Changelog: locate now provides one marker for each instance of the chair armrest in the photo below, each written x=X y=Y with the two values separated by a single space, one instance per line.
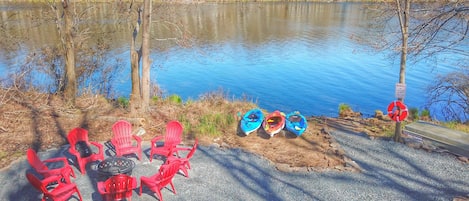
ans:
x=156 y=139
x=137 y=138
x=101 y=188
x=100 y=154
x=152 y=180
x=98 y=145
x=56 y=160
x=113 y=142
x=182 y=148
x=74 y=152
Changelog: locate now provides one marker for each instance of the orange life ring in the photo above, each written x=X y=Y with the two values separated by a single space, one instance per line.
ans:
x=398 y=114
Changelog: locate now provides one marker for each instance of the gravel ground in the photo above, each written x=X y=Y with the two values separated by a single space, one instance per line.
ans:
x=391 y=171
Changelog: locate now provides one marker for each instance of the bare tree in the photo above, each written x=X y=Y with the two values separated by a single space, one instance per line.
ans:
x=66 y=33
x=425 y=31
x=394 y=36
x=140 y=96
x=138 y=15
x=403 y=14
x=141 y=80
x=70 y=90
x=451 y=93
x=441 y=27
x=447 y=27
x=146 y=54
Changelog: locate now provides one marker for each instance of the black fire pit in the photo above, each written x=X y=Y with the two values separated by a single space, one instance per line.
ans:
x=115 y=165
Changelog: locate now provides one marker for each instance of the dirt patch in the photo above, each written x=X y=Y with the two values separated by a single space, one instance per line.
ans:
x=41 y=122
x=314 y=150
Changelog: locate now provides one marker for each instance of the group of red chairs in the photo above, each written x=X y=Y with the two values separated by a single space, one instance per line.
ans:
x=55 y=172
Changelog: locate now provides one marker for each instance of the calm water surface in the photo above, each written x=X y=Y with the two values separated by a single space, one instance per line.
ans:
x=285 y=56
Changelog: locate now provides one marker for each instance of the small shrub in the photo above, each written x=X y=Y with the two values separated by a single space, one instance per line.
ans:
x=379 y=114
x=425 y=113
x=123 y=102
x=414 y=113
x=344 y=109
x=189 y=102
x=186 y=124
x=155 y=99
x=174 y=98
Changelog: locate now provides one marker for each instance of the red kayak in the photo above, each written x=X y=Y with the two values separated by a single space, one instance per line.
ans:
x=274 y=123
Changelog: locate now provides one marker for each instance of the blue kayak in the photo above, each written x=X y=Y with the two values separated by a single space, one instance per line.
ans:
x=251 y=121
x=296 y=123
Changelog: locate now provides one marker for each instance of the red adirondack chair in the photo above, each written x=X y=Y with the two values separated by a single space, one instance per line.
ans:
x=61 y=191
x=117 y=187
x=161 y=179
x=123 y=140
x=185 y=165
x=80 y=147
x=171 y=139
x=41 y=166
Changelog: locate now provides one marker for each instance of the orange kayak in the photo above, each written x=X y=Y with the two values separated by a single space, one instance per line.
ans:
x=274 y=122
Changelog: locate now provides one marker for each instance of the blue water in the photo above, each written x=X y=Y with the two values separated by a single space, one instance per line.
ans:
x=309 y=76
x=288 y=57
x=313 y=71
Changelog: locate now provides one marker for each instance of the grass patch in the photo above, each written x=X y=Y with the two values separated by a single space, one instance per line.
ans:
x=174 y=98
x=212 y=124
x=123 y=102
x=457 y=126
x=6 y=155
x=3 y=154
x=425 y=113
x=155 y=99
x=389 y=131
x=212 y=115
x=414 y=114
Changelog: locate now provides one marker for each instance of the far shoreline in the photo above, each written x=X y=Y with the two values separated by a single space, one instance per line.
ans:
x=218 y=1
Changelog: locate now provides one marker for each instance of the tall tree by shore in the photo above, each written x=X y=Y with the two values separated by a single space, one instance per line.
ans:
x=421 y=31
x=140 y=95
x=404 y=18
x=70 y=88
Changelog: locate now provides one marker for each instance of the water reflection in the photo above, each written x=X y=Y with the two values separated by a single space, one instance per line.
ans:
x=254 y=23
x=287 y=56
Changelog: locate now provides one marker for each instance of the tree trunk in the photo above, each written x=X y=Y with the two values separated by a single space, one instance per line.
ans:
x=70 y=75
x=136 y=94
x=403 y=14
x=146 y=55
x=140 y=97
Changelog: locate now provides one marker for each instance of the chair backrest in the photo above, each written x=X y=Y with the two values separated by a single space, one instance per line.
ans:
x=167 y=172
x=120 y=186
x=122 y=133
x=35 y=161
x=62 y=191
x=76 y=135
x=35 y=182
x=78 y=140
x=173 y=132
x=192 y=151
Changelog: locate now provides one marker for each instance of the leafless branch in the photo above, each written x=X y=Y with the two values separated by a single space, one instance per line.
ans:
x=451 y=92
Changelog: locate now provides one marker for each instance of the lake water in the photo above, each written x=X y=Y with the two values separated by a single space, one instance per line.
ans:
x=285 y=56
